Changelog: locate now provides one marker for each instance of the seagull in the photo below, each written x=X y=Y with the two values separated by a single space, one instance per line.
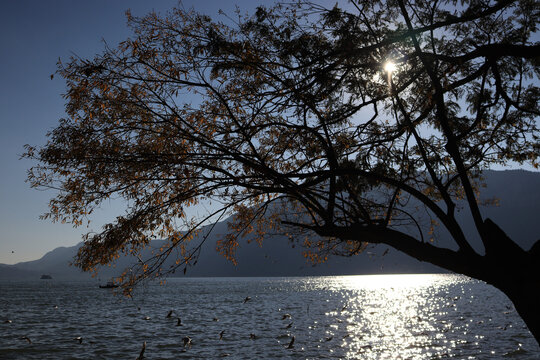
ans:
x=329 y=338
x=146 y=318
x=179 y=322
x=215 y=319
x=385 y=252
x=55 y=306
x=286 y=316
x=344 y=308
x=141 y=355
x=221 y=334
x=247 y=299
x=288 y=326
x=252 y=336
x=79 y=339
x=27 y=339
x=187 y=341
x=291 y=344
x=169 y=314
x=7 y=321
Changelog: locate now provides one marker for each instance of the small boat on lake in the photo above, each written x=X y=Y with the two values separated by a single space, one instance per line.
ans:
x=109 y=285
x=46 y=277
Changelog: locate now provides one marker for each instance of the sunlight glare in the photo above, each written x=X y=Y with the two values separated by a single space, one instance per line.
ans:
x=389 y=281
x=392 y=314
x=389 y=66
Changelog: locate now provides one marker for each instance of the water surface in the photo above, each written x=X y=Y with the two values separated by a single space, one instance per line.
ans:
x=344 y=317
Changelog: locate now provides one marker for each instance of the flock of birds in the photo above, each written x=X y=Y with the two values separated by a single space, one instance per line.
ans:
x=186 y=340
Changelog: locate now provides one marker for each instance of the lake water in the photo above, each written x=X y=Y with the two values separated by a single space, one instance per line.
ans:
x=344 y=317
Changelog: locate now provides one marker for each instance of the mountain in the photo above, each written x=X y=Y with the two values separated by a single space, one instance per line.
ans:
x=518 y=211
x=275 y=258
x=517 y=214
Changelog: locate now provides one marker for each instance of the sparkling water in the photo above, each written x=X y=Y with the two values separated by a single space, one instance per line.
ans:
x=424 y=316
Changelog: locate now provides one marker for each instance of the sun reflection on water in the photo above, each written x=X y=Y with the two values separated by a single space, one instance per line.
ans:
x=413 y=317
x=393 y=317
x=388 y=281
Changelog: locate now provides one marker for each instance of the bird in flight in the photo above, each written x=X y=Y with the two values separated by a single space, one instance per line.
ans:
x=26 y=338
x=291 y=344
x=141 y=355
x=247 y=299
x=187 y=341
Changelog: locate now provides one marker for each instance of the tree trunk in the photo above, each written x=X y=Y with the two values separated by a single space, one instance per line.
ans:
x=526 y=299
x=515 y=272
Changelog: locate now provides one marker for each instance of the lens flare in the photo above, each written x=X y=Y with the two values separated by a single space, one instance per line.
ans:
x=389 y=66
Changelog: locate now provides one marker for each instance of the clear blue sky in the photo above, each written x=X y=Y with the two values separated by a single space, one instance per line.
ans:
x=34 y=35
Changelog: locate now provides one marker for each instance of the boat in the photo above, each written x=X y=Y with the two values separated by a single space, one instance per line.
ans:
x=109 y=285
x=46 y=277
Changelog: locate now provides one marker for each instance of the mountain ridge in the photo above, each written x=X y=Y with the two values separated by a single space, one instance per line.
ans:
x=517 y=216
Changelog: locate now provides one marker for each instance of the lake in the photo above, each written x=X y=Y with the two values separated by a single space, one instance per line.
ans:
x=428 y=316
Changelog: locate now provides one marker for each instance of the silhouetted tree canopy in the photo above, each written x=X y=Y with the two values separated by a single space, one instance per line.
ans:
x=325 y=124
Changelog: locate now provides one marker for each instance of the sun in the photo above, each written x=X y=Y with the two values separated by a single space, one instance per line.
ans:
x=389 y=66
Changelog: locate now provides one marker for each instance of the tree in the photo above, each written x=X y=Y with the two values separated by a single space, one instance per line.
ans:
x=367 y=124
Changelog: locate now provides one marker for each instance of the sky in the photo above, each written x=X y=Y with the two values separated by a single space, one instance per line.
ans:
x=33 y=36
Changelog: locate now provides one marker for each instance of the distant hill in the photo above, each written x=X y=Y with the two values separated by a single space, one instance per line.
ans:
x=275 y=258
x=516 y=190
x=518 y=213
